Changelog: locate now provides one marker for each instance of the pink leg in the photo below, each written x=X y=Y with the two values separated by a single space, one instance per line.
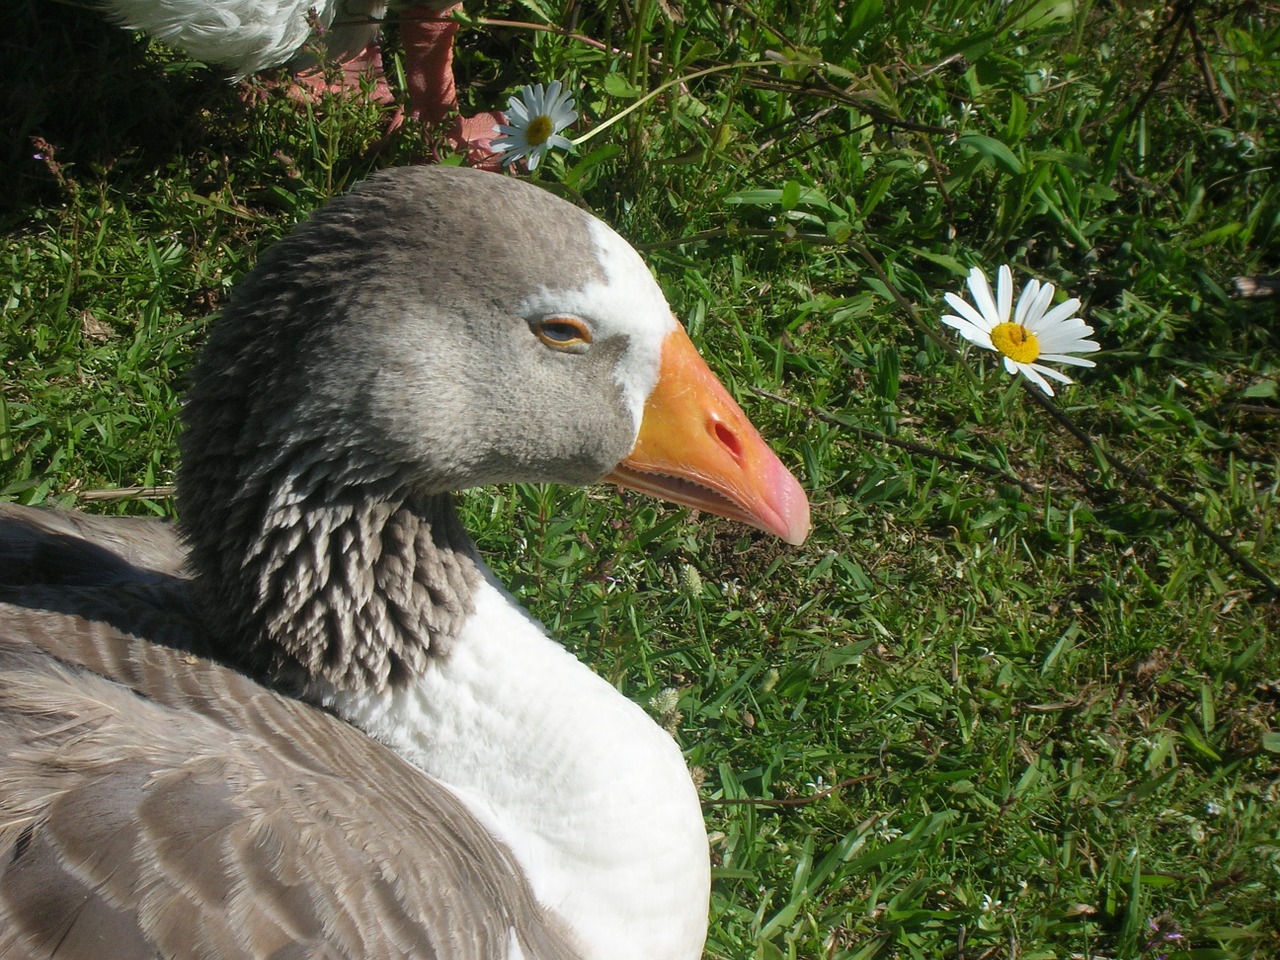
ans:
x=427 y=34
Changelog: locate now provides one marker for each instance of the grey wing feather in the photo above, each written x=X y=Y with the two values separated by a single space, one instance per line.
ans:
x=62 y=547
x=124 y=571
x=156 y=804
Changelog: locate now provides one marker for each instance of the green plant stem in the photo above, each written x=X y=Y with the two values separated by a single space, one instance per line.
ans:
x=162 y=492
x=661 y=88
x=733 y=230
x=559 y=32
x=908 y=308
x=1179 y=18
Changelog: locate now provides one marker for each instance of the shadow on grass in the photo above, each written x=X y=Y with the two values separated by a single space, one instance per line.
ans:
x=74 y=80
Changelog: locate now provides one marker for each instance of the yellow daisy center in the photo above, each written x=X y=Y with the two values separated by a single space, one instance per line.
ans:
x=1016 y=342
x=539 y=130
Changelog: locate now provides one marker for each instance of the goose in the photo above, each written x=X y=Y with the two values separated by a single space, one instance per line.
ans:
x=249 y=36
x=310 y=722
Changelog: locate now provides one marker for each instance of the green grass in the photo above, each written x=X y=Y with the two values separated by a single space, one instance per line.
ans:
x=1049 y=701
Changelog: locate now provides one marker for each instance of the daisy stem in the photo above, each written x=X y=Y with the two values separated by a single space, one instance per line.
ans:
x=721 y=68
x=1139 y=477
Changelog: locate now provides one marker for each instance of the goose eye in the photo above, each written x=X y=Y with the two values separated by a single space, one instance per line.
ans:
x=562 y=333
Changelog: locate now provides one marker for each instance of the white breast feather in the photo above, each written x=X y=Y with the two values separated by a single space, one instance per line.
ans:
x=592 y=796
x=246 y=36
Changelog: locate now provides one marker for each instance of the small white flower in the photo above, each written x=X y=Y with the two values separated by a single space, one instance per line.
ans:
x=1045 y=77
x=690 y=580
x=989 y=904
x=665 y=701
x=537 y=117
x=1245 y=145
x=1034 y=333
x=666 y=704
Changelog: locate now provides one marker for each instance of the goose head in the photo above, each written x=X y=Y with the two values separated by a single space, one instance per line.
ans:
x=437 y=329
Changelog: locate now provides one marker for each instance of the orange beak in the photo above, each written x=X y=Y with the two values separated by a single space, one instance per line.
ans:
x=697 y=448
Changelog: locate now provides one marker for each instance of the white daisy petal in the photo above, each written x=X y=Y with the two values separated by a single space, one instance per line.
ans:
x=1030 y=373
x=1054 y=342
x=1067 y=359
x=537 y=114
x=1050 y=372
x=1067 y=344
x=1004 y=292
x=1029 y=293
x=966 y=310
x=1037 y=307
x=969 y=331
x=981 y=291
x=1073 y=325
x=1062 y=312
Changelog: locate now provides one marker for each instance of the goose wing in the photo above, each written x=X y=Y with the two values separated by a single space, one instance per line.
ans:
x=40 y=546
x=154 y=803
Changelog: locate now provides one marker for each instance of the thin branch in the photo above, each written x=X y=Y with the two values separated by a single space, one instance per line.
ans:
x=908 y=445
x=733 y=230
x=830 y=92
x=1139 y=477
x=1179 y=19
x=908 y=308
x=560 y=32
x=1206 y=69
x=657 y=91
x=164 y=492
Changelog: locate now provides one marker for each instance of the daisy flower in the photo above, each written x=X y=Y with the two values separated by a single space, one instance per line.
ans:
x=1033 y=334
x=537 y=117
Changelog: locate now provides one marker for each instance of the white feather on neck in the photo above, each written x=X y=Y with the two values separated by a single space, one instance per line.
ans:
x=591 y=795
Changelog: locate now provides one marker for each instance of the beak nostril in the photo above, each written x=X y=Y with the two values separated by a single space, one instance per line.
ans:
x=728 y=439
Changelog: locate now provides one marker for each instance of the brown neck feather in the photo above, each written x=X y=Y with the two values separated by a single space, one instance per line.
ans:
x=354 y=590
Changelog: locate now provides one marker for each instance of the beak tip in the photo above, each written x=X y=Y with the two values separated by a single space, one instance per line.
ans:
x=787 y=507
x=797 y=535
x=793 y=512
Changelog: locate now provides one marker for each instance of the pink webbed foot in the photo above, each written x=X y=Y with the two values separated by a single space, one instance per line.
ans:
x=475 y=136
x=363 y=71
